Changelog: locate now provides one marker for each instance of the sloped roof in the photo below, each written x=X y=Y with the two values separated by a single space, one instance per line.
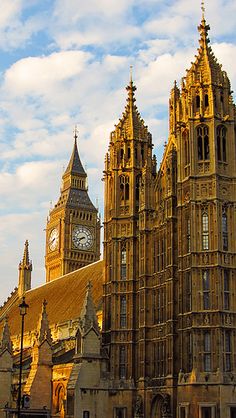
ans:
x=75 y=165
x=64 y=296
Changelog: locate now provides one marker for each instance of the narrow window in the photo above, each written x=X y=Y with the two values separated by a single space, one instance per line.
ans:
x=122 y=188
x=188 y=236
x=129 y=153
x=190 y=353
x=233 y=412
x=206 y=289
x=205 y=231
x=127 y=189
x=206 y=100
x=120 y=412
x=227 y=351
x=186 y=147
x=123 y=265
x=221 y=143
x=203 y=143
x=224 y=231
x=207 y=352
x=122 y=368
x=206 y=412
x=197 y=101
x=188 y=288
x=137 y=188
x=86 y=414
x=123 y=315
x=109 y=312
x=142 y=152
x=226 y=289
x=121 y=154
x=199 y=144
x=182 y=412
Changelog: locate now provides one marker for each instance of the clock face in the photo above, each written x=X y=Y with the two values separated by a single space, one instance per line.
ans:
x=82 y=237
x=53 y=239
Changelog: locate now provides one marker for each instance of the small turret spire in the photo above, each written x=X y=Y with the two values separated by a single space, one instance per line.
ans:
x=44 y=332
x=5 y=342
x=25 y=269
x=25 y=259
x=88 y=317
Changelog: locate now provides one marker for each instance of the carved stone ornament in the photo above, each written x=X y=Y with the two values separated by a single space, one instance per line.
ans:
x=165 y=408
x=139 y=406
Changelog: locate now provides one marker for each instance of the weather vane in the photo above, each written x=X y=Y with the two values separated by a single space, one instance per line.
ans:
x=75 y=132
x=131 y=72
x=203 y=8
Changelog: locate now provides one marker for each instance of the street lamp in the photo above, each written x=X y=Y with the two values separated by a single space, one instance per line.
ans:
x=23 y=311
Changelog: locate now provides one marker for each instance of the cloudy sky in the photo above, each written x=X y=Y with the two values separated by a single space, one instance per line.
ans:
x=66 y=62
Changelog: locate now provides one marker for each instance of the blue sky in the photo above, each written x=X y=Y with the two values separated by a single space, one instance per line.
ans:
x=67 y=62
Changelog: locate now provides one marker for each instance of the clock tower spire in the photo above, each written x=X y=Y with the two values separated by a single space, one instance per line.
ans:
x=73 y=227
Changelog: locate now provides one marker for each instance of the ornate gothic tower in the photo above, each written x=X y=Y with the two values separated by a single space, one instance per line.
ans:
x=129 y=173
x=202 y=124
x=73 y=227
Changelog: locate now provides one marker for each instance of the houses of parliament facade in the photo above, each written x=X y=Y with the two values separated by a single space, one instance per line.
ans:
x=150 y=331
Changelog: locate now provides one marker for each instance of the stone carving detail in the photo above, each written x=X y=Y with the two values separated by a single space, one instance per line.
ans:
x=165 y=407
x=138 y=407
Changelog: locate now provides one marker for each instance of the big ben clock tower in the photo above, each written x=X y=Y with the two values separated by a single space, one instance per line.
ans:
x=73 y=227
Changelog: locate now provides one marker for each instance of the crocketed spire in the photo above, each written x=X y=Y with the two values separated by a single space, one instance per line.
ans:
x=88 y=317
x=5 y=342
x=44 y=332
x=131 y=125
x=205 y=68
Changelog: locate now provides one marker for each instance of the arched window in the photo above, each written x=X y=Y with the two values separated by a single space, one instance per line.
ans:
x=203 y=143
x=225 y=231
x=205 y=231
x=123 y=264
x=221 y=143
x=123 y=313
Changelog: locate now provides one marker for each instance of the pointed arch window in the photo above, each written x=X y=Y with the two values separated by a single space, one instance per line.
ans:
x=205 y=231
x=203 y=143
x=227 y=349
x=221 y=134
x=225 y=231
x=123 y=312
